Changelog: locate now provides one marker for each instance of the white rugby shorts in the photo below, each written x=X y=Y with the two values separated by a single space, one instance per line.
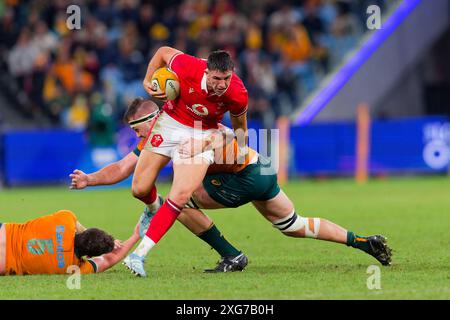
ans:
x=168 y=133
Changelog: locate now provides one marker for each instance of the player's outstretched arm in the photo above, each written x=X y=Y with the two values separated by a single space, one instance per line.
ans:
x=239 y=124
x=111 y=174
x=161 y=58
x=108 y=260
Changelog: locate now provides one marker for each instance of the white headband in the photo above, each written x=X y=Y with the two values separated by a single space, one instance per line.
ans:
x=141 y=120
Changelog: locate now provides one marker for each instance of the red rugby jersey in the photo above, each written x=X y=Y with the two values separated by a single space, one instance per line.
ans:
x=195 y=103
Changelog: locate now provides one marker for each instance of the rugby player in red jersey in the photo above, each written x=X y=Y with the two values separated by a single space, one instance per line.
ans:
x=140 y=115
x=208 y=89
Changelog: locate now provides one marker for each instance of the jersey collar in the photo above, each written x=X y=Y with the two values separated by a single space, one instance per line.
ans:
x=203 y=84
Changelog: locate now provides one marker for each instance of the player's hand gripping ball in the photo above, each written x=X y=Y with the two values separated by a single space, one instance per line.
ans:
x=166 y=81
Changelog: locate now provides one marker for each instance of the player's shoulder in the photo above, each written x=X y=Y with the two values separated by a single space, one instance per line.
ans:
x=67 y=214
x=237 y=84
x=185 y=62
x=64 y=218
x=237 y=90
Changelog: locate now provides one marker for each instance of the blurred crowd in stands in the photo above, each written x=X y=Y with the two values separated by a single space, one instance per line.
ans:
x=85 y=78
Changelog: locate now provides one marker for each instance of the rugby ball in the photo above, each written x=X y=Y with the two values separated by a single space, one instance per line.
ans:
x=166 y=80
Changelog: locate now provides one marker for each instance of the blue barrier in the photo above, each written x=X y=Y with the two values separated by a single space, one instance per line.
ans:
x=413 y=145
x=48 y=157
x=2 y=161
x=323 y=148
x=40 y=157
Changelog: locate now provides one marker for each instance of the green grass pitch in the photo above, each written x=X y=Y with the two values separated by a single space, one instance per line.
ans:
x=414 y=213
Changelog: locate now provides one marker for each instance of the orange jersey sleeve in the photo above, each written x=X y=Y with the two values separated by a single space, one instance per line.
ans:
x=140 y=146
x=43 y=246
x=87 y=266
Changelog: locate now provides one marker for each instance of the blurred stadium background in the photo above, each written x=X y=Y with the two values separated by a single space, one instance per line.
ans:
x=348 y=101
x=307 y=64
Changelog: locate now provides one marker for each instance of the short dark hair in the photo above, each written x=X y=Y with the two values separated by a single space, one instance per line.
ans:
x=220 y=60
x=134 y=107
x=93 y=242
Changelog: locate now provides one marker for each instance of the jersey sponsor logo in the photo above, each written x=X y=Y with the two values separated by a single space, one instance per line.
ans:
x=60 y=246
x=199 y=109
x=156 y=141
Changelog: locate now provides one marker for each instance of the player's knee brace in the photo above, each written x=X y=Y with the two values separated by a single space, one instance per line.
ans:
x=294 y=222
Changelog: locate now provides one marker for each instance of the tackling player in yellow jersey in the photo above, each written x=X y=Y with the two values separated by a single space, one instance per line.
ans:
x=230 y=184
x=52 y=243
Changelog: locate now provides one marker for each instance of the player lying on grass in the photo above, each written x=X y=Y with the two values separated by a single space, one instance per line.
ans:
x=140 y=115
x=52 y=243
x=233 y=185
